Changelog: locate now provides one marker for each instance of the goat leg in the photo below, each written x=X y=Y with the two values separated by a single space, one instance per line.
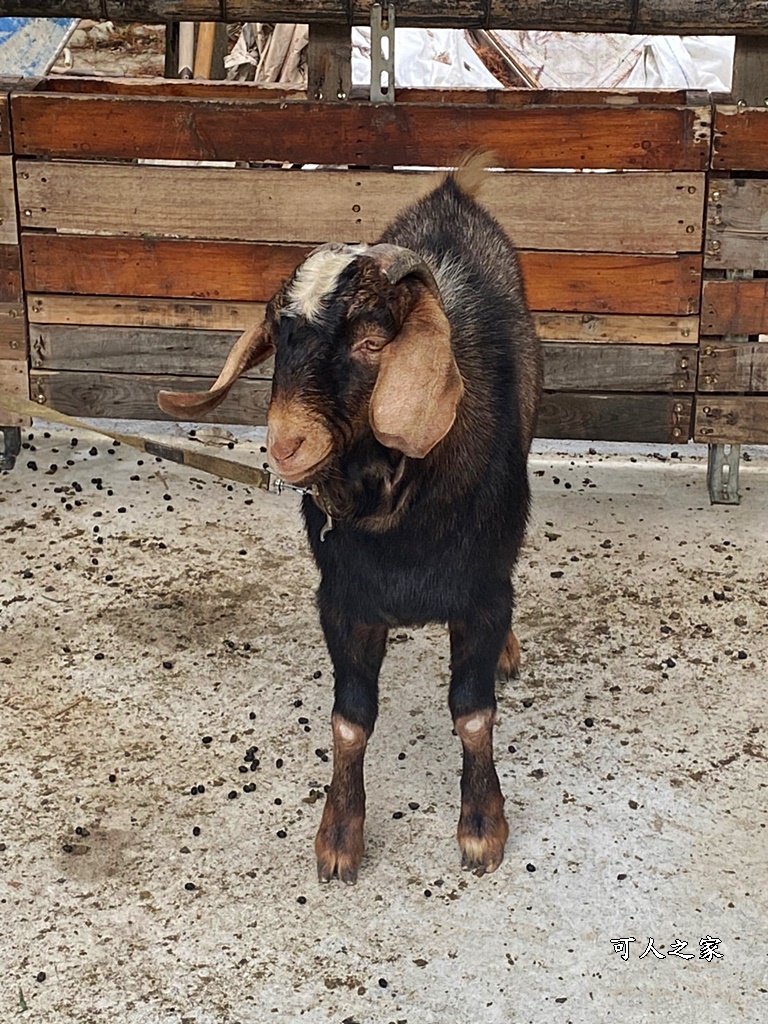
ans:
x=483 y=830
x=357 y=652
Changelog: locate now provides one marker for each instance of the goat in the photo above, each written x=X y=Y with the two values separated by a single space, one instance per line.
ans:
x=406 y=387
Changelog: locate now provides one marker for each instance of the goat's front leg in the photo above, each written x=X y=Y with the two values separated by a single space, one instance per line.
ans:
x=482 y=833
x=357 y=652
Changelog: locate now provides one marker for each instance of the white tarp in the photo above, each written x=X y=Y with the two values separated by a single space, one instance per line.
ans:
x=556 y=60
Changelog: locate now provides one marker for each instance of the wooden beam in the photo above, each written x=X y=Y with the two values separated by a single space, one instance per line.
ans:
x=252 y=272
x=740 y=139
x=750 y=71
x=642 y=212
x=329 y=63
x=735 y=307
x=735 y=420
x=13 y=335
x=574 y=367
x=659 y=419
x=13 y=379
x=359 y=134
x=712 y=17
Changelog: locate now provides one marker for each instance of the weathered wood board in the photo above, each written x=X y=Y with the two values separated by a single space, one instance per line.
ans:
x=641 y=16
x=733 y=367
x=616 y=329
x=735 y=307
x=638 y=212
x=13 y=380
x=13 y=335
x=9 y=228
x=175 y=128
x=251 y=272
x=740 y=139
x=737 y=225
x=660 y=419
x=575 y=367
x=129 y=312
x=10 y=274
x=134 y=395
x=737 y=420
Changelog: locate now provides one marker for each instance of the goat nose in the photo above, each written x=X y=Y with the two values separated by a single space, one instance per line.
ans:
x=282 y=451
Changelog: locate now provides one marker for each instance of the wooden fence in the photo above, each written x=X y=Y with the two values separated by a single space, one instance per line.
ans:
x=138 y=276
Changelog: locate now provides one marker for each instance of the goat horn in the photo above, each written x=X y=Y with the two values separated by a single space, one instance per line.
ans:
x=398 y=262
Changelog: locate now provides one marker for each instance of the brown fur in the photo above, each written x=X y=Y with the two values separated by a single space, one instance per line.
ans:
x=483 y=830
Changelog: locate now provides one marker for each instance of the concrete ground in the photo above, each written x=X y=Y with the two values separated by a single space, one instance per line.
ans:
x=145 y=609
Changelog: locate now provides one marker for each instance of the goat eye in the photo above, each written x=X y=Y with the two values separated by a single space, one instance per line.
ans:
x=372 y=344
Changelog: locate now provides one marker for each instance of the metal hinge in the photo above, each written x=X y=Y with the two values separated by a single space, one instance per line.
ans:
x=382 y=53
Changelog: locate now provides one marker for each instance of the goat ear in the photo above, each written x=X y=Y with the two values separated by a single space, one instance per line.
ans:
x=250 y=349
x=418 y=389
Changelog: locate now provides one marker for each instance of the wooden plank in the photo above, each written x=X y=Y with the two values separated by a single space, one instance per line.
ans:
x=575 y=367
x=13 y=335
x=134 y=396
x=127 y=349
x=723 y=17
x=737 y=225
x=13 y=380
x=5 y=118
x=94 y=265
x=731 y=420
x=329 y=63
x=735 y=307
x=660 y=419
x=10 y=274
x=749 y=85
x=248 y=272
x=736 y=367
x=596 y=283
x=638 y=212
x=124 y=128
x=740 y=139
x=157 y=87
x=147 y=312
x=618 y=329
x=9 y=227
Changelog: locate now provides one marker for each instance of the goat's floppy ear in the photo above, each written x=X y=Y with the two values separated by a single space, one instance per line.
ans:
x=250 y=349
x=418 y=389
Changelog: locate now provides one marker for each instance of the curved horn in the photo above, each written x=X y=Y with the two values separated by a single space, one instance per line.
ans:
x=398 y=262
x=251 y=348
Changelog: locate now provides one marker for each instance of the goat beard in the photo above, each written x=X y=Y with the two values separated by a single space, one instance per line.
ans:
x=370 y=488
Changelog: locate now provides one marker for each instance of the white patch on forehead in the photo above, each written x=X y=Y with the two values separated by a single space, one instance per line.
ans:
x=316 y=279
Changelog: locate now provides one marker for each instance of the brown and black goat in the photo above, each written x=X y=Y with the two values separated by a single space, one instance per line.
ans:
x=405 y=394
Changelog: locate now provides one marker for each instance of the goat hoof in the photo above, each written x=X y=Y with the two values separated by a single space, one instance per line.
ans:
x=509 y=660
x=339 y=850
x=482 y=840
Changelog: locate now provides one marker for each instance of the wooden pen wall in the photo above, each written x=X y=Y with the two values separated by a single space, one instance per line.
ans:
x=139 y=276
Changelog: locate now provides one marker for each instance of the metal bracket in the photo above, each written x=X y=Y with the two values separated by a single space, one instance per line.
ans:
x=723 y=474
x=11 y=437
x=382 y=53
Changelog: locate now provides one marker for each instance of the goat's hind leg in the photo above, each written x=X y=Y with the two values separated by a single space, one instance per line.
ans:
x=475 y=649
x=357 y=652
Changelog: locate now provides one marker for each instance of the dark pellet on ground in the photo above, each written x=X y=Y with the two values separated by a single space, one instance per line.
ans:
x=190 y=886
x=427 y=893
x=279 y=763
x=301 y=899
x=232 y=794
x=207 y=739
x=99 y=656
x=589 y=722
x=201 y=789
x=41 y=976
x=298 y=703
x=243 y=768
x=530 y=867
x=67 y=848
x=512 y=748
x=621 y=877
x=194 y=791
x=278 y=801
x=122 y=507
x=401 y=756
x=255 y=764
x=281 y=833
x=32 y=465
x=741 y=655
x=383 y=982
x=167 y=664
x=196 y=830
x=398 y=814
x=302 y=720
x=413 y=805
x=528 y=702
x=113 y=778
x=252 y=716
x=317 y=675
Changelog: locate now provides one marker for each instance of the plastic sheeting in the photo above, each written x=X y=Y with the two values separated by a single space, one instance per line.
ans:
x=555 y=60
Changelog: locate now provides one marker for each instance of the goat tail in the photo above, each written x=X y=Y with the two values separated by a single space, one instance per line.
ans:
x=470 y=173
